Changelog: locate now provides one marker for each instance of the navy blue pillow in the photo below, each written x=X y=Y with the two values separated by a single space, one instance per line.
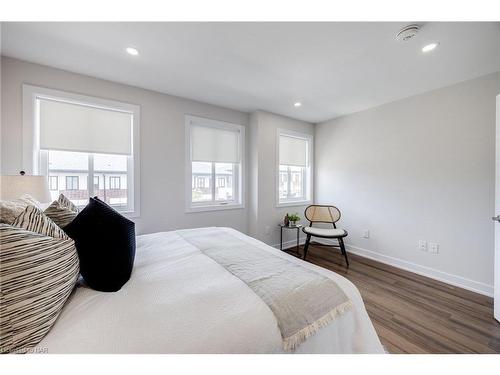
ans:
x=105 y=242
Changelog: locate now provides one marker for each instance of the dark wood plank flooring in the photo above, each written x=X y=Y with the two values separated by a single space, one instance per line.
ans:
x=412 y=313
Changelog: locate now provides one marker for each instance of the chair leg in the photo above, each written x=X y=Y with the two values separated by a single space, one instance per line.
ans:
x=306 y=245
x=344 y=252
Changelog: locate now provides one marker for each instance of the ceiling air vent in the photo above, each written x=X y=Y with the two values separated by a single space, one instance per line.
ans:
x=407 y=33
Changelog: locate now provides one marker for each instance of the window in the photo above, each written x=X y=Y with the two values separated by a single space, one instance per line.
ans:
x=214 y=172
x=53 y=182
x=294 y=181
x=114 y=182
x=91 y=144
x=72 y=183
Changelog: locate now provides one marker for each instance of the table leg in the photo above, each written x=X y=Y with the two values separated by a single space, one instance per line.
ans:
x=281 y=239
x=298 y=232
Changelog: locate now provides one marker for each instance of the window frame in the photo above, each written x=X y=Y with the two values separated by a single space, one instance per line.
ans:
x=307 y=174
x=35 y=161
x=239 y=170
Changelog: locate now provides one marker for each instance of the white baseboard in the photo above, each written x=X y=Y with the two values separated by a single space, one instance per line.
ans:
x=289 y=244
x=448 y=278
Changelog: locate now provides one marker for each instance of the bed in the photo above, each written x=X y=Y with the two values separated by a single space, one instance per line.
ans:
x=180 y=300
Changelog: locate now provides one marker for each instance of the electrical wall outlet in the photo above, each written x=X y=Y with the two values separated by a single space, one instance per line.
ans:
x=433 y=247
x=366 y=234
x=422 y=245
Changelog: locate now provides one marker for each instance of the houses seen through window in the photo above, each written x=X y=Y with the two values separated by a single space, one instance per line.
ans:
x=53 y=182
x=72 y=182
x=108 y=174
x=114 y=182
x=202 y=181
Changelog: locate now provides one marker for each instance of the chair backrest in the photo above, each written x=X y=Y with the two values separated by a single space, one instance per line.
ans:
x=322 y=214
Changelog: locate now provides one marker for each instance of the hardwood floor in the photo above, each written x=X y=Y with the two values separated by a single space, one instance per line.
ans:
x=412 y=313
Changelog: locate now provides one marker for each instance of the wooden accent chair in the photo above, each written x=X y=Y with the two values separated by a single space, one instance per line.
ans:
x=324 y=214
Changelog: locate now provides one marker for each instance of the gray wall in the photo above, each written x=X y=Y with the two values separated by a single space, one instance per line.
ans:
x=422 y=168
x=162 y=140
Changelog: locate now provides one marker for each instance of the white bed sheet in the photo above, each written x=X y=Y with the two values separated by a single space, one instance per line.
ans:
x=178 y=300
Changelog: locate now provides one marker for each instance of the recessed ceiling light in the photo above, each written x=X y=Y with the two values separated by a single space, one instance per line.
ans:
x=429 y=47
x=132 y=51
x=297 y=104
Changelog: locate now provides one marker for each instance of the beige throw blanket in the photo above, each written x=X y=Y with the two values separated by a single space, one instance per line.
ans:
x=302 y=300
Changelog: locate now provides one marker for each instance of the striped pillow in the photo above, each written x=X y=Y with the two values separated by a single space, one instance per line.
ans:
x=34 y=220
x=37 y=276
x=59 y=214
x=62 y=211
x=29 y=200
x=11 y=209
x=65 y=202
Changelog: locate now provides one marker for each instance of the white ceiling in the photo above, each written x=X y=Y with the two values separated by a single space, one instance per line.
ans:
x=332 y=68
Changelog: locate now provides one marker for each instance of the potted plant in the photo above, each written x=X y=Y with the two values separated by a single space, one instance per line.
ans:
x=293 y=218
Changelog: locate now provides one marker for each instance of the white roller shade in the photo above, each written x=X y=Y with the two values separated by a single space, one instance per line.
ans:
x=73 y=127
x=210 y=144
x=293 y=151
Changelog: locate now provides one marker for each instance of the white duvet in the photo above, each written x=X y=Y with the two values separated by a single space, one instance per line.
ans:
x=178 y=300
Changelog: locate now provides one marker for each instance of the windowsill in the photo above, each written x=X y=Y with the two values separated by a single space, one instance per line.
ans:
x=294 y=203
x=130 y=214
x=127 y=214
x=219 y=207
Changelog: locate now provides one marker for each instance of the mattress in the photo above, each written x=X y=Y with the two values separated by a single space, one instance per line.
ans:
x=178 y=300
